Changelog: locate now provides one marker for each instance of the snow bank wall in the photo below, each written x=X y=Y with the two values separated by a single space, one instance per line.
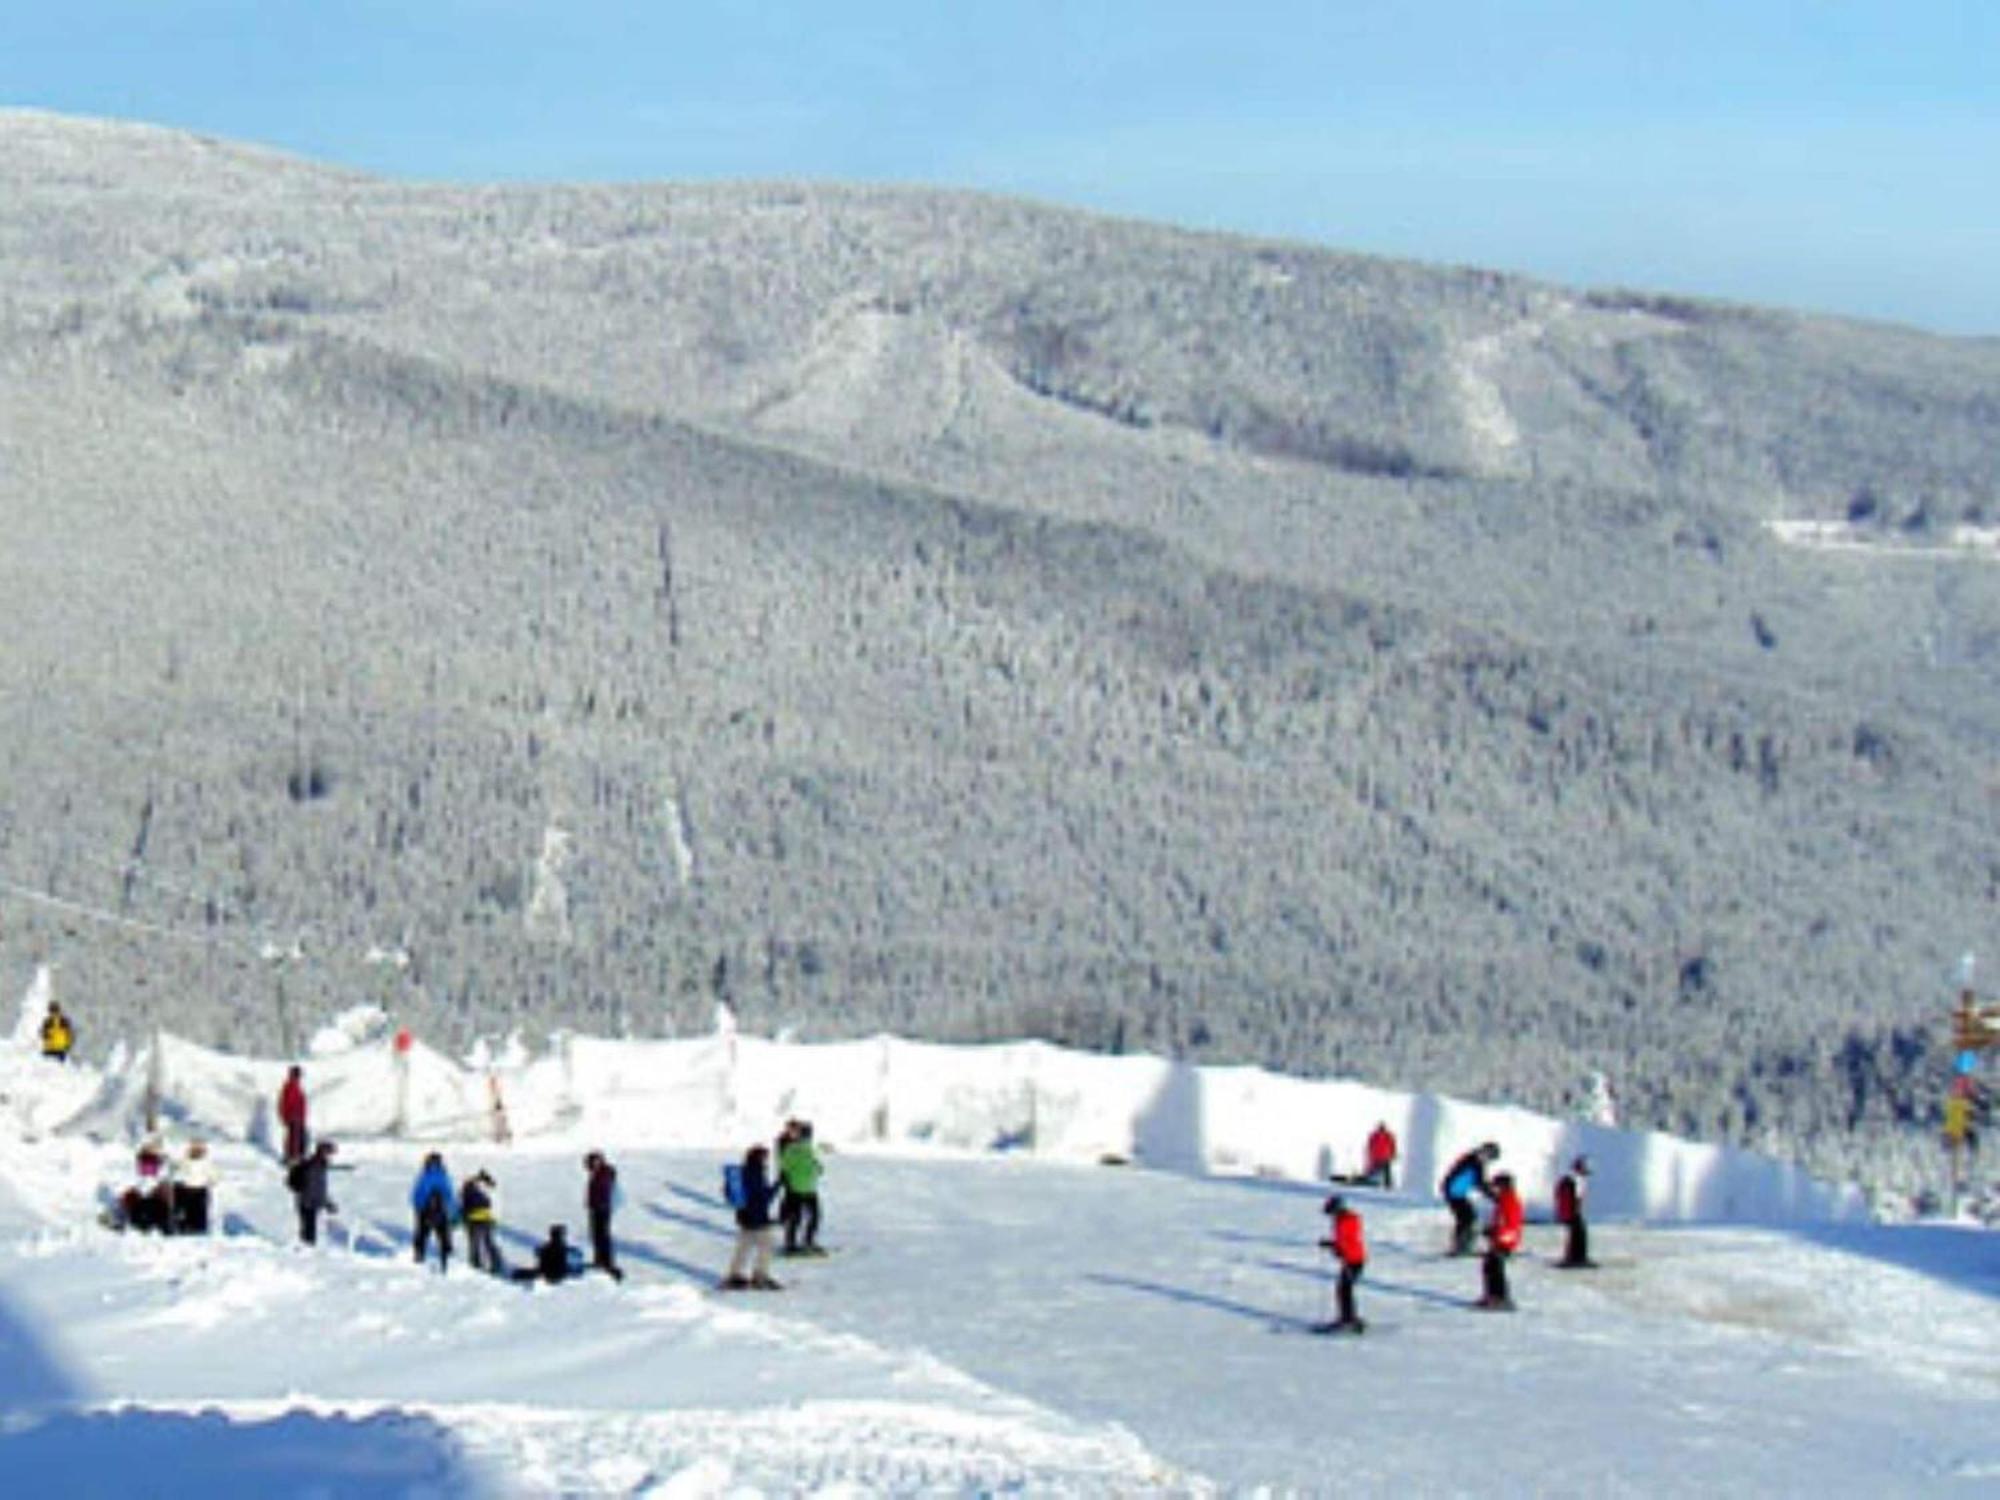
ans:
x=726 y=1090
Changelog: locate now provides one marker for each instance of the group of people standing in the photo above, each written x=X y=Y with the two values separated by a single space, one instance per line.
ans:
x=438 y=1204
x=1506 y=1222
x=752 y=1187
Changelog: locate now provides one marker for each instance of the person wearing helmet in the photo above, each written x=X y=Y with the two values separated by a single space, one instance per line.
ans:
x=1349 y=1248
x=1570 y=1191
x=1503 y=1238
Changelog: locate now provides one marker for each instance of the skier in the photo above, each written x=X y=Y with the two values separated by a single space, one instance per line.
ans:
x=1570 y=1191
x=476 y=1201
x=600 y=1197
x=750 y=1261
x=1381 y=1157
x=58 y=1036
x=1503 y=1238
x=799 y=1167
x=292 y=1114
x=435 y=1205
x=307 y=1180
x=1465 y=1177
x=193 y=1182
x=1351 y=1250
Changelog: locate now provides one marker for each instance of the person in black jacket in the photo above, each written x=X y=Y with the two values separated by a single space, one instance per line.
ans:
x=750 y=1262
x=599 y=1198
x=1570 y=1193
x=475 y=1206
x=307 y=1180
x=553 y=1261
x=1461 y=1180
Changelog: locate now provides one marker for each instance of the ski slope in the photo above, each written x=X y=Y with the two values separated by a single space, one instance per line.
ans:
x=1021 y=1320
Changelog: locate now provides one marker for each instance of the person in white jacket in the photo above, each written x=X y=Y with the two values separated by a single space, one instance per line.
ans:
x=193 y=1185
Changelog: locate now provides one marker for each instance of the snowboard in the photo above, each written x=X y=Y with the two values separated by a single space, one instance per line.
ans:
x=1353 y=1330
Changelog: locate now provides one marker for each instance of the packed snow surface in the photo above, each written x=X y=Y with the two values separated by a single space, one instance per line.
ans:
x=1051 y=1274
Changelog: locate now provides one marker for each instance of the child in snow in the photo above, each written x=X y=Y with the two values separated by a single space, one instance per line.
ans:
x=1465 y=1177
x=480 y=1216
x=307 y=1180
x=435 y=1205
x=146 y=1204
x=193 y=1181
x=1570 y=1192
x=750 y=1262
x=600 y=1197
x=556 y=1260
x=799 y=1167
x=1503 y=1238
x=1351 y=1250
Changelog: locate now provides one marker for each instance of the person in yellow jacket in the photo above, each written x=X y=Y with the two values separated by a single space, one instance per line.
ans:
x=475 y=1202
x=58 y=1036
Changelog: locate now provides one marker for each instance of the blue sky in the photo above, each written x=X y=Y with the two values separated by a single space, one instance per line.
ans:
x=1833 y=154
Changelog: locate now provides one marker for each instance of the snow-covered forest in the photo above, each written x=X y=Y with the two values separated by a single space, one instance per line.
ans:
x=888 y=609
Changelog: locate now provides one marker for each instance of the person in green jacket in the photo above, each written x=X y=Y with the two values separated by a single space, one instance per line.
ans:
x=799 y=1169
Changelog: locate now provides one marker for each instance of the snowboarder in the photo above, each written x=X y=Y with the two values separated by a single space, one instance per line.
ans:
x=1465 y=1177
x=476 y=1201
x=292 y=1114
x=58 y=1036
x=799 y=1167
x=435 y=1204
x=1570 y=1192
x=750 y=1261
x=1349 y=1248
x=600 y=1197
x=1382 y=1151
x=193 y=1182
x=1503 y=1238
x=307 y=1180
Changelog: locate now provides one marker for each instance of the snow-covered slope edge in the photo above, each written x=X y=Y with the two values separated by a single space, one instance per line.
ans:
x=726 y=1090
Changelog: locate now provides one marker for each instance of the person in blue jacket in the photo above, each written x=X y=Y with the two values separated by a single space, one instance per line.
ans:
x=750 y=1262
x=435 y=1205
x=1465 y=1177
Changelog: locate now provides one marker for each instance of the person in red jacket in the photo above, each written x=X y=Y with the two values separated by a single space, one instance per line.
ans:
x=1381 y=1157
x=292 y=1115
x=1503 y=1238
x=1569 y=1213
x=1351 y=1250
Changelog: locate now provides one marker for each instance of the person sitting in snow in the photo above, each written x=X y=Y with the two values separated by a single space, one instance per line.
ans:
x=307 y=1180
x=1570 y=1192
x=556 y=1260
x=1465 y=1177
x=1351 y=1250
x=146 y=1205
x=750 y=1261
x=435 y=1204
x=476 y=1200
x=799 y=1168
x=1503 y=1238
x=58 y=1036
x=193 y=1183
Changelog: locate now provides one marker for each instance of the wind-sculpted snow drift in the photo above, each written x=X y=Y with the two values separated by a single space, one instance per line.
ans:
x=885 y=1093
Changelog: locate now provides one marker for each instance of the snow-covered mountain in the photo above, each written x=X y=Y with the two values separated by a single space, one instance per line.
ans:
x=888 y=609
x=1035 y=1287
